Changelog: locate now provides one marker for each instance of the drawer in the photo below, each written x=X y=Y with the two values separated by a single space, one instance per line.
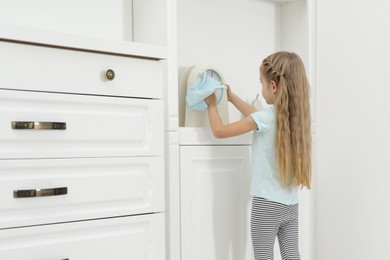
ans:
x=138 y=237
x=59 y=190
x=31 y=67
x=95 y=126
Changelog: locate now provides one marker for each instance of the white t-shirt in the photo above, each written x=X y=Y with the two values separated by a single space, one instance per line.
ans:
x=265 y=174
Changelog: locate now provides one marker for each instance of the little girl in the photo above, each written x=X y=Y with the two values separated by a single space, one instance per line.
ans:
x=281 y=151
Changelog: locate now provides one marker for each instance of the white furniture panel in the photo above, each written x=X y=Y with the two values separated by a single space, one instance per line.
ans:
x=150 y=21
x=215 y=202
x=95 y=188
x=40 y=68
x=95 y=126
x=116 y=20
x=111 y=19
x=138 y=237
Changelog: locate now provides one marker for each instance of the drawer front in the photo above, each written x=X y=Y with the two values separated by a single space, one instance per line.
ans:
x=138 y=237
x=88 y=126
x=58 y=190
x=31 y=67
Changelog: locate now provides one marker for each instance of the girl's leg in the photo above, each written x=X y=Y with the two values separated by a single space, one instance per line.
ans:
x=288 y=235
x=265 y=222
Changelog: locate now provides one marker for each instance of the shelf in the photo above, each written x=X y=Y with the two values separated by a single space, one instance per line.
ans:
x=71 y=41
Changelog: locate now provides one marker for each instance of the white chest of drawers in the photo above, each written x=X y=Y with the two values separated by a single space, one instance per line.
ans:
x=81 y=155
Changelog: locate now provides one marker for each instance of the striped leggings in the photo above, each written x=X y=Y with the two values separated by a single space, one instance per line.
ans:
x=270 y=220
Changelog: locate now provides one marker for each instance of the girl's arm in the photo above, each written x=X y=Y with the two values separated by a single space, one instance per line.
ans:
x=222 y=131
x=240 y=104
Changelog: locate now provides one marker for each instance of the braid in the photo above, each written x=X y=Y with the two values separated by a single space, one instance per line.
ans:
x=271 y=70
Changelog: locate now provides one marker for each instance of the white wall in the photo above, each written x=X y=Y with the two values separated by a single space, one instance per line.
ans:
x=232 y=35
x=353 y=128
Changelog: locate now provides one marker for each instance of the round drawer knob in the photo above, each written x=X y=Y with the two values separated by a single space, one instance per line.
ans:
x=110 y=74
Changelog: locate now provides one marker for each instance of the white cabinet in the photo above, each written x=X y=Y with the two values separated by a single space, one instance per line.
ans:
x=82 y=146
x=215 y=199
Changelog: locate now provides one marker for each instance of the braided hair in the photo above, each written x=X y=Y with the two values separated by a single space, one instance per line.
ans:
x=292 y=105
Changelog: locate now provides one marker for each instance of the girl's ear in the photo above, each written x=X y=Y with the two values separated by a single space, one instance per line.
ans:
x=274 y=87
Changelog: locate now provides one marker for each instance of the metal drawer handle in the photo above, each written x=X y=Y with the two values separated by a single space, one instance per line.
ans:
x=110 y=74
x=38 y=125
x=40 y=192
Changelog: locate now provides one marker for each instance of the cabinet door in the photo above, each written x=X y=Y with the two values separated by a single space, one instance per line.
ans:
x=89 y=126
x=27 y=67
x=139 y=238
x=57 y=190
x=215 y=202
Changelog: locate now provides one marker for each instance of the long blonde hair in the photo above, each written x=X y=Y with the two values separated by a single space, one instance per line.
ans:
x=292 y=105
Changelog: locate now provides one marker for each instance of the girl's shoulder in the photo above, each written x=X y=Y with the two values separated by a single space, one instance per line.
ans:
x=267 y=112
x=264 y=118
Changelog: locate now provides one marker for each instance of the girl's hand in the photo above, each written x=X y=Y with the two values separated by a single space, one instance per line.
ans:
x=211 y=100
x=229 y=92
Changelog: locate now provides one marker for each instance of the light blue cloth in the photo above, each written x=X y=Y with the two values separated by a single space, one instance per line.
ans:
x=203 y=87
x=265 y=173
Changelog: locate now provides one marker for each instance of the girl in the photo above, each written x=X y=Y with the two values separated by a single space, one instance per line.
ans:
x=281 y=151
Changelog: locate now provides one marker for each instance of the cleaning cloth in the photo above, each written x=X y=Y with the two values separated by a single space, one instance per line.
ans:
x=203 y=87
